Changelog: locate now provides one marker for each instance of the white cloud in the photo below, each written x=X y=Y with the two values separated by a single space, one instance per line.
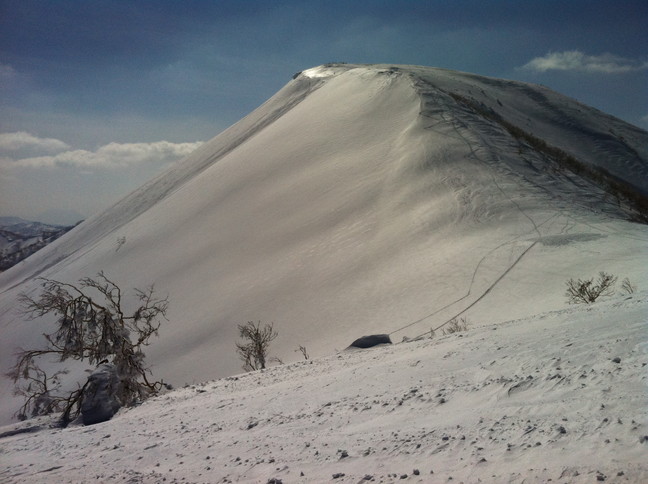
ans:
x=85 y=181
x=112 y=155
x=129 y=153
x=16 y=142
x=574 y=60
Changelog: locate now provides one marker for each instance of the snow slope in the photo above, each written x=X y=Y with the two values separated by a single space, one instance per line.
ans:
x=557 y=397
x=359 y=199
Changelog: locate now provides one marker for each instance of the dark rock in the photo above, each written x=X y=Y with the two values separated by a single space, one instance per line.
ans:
x=616 y=360
x=100 y=399
x=371 y=340
x=337 y=475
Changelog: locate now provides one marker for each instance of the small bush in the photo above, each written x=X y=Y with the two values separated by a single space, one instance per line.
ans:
x=456 y=326
x=627 y=287
x=303 y=351
x=588 y=291
x=254 y=350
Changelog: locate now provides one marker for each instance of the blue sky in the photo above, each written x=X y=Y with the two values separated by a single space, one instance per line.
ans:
x=90 y=89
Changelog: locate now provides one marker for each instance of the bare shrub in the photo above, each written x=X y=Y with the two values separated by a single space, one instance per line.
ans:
x=253 y=351
x=588 y=291
x=627 y=287
x=455 y=326
x=120 y=241
x=40 y=392
x=302 y=350
x=92 y=326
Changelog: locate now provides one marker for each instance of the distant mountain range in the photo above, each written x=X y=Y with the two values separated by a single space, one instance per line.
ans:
x=20 y=238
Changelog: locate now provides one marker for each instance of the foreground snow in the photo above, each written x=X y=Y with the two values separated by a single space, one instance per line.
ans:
x=558 y=397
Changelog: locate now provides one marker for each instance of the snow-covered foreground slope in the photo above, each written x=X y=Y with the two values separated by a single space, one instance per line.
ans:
x=558 y=397
x=359 y=199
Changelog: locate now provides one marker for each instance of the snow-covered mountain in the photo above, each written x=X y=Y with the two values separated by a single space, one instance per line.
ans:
x=21 y=238
x=363 y=199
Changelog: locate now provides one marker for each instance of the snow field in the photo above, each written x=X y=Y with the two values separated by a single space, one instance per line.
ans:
x=559 y=396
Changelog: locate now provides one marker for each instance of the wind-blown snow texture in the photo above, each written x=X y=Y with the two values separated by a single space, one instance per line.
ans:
x=556 y=397
x=360 y=200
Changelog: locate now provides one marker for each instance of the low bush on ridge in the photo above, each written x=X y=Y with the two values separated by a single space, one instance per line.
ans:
x=589 y=290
